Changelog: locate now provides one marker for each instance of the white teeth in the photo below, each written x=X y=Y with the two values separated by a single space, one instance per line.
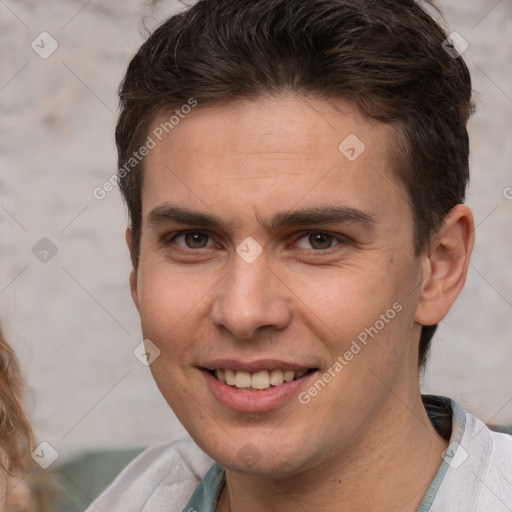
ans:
x=230 y=377
x=259 y=380
x=243 y=380
x=276 y=377
x=289 y=375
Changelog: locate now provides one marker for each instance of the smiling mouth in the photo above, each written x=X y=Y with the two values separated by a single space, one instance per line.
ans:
x=258 y=381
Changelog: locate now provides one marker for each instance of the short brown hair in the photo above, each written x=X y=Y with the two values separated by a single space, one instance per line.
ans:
x=385 y=56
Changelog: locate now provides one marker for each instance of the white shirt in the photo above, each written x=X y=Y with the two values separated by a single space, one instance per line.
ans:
x=475 y=476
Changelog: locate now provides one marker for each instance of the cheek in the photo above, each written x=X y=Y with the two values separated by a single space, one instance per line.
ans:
x=360 y=309
x=171 y=304
x=165 y=296
x=345 y=299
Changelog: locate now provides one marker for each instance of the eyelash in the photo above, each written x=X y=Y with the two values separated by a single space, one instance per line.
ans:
x=170 y=239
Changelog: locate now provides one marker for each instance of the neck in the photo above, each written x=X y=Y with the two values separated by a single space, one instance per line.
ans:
x=389 y=468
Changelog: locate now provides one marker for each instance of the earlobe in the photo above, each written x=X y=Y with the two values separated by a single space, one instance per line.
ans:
x=133 y=273
x=445 y=266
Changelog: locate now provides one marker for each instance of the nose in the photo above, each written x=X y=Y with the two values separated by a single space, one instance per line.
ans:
x=251 y=298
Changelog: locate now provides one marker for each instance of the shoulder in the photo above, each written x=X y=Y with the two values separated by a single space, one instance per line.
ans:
x=479 y=473
x=161 y=477
x=494 y=448
x=495 y=492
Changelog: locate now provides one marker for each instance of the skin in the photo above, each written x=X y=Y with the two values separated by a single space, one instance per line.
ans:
x=365 y=440
x=15 y=494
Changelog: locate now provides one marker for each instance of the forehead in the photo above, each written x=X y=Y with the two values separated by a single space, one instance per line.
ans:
x=292 y=124
x=270 y=152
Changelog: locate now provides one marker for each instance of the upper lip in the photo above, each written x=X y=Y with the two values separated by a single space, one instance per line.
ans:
x=253 y=366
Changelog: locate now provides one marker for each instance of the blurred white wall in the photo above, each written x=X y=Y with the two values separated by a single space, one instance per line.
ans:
x=71 y=319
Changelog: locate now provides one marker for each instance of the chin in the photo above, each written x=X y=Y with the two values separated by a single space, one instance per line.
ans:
x=257 y=458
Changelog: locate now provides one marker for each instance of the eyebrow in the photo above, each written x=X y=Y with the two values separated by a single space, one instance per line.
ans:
x=169 y=214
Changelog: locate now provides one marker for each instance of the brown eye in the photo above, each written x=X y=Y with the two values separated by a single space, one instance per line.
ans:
x=318 y=241
x=192 y=240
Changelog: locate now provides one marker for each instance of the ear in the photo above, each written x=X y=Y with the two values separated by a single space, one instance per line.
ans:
x=133 y=273
x=445 y=266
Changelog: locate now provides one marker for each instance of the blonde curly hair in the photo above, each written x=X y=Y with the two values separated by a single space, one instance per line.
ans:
x=16 y=437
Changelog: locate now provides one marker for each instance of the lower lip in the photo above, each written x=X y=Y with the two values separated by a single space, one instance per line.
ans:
x=254 y=401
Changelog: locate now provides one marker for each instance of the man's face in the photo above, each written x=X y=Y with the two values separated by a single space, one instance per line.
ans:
x=266 y=246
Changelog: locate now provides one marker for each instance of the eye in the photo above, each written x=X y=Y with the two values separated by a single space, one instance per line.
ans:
x=192 y=240
x=318 y=241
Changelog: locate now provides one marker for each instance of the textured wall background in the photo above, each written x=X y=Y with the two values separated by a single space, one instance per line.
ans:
x=71 y=318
